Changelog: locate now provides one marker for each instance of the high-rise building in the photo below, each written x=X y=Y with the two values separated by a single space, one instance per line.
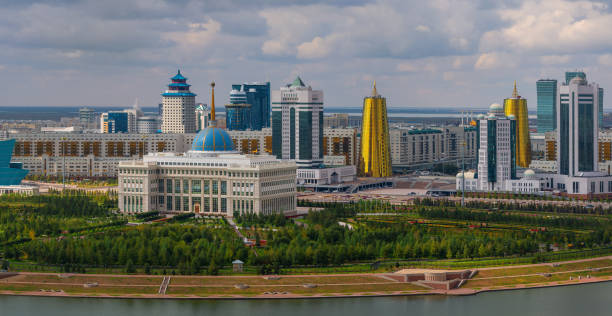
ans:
x=517 y=106
x=297 y=124
x=212 y=178
x=578 y=127
x=238 y=113
x=202 y=116
x=178 y=110
x=375 y=155
x=496 y=163
x=87 y=115
x=258 y=96
x=601 y=95
x=569 y=75
x=547 y=105
x=114 y=122
x=11 y=173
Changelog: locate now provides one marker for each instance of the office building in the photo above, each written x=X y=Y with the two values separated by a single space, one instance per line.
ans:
x=211 y=179
x=297 y=124
x=11 y=173
x=178 y=109
x=258 y=96
x=569 y=75
x=601 y=111
x=87 y=115
x=147 y=125
x=578 y=127
x=547 y=105
x=114 y=122
x=496 y=158
x=202 y=114
x=375 y=155
x=238 y=113
x=517 y=106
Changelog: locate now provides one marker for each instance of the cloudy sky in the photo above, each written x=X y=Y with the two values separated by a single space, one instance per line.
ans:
x=421 y=53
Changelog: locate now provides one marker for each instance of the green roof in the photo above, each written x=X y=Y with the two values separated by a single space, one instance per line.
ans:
x=298 y=82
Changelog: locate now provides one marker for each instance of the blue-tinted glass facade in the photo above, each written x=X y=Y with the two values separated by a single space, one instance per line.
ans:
x=586 y=134
x=564 y=134
x=119 y=122
x=258 y=96
x=10 y=173
x=547 y=105
x=569 y=75
x=600 y=107
x=238 y=117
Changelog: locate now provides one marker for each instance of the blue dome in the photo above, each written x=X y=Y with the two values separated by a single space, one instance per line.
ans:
x=212 y=139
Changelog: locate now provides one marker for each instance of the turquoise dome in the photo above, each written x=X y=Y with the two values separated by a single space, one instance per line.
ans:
x=212 y=139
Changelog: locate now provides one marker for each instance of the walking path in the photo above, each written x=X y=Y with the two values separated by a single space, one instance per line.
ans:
x=164 y=286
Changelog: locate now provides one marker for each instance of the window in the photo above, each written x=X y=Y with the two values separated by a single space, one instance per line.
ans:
x=215 y=187
x=223 y=187
x=186 y=203
x=177 y=186
x=223 y=205
x=161 y=200
x=169 y=203
x=185 y=186
x=195 y=186
x=215 y=205
x=160 y=185
x=169 y=186
x=177 y=203
x=206 y=187
x=206 y=204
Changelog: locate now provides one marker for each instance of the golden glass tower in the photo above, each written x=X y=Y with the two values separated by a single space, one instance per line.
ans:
x=374 y=156
x=517 y=106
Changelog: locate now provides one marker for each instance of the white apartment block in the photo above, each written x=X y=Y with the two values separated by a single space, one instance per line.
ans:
x=410 y=146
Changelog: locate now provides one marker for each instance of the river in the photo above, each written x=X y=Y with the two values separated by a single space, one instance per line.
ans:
x=586 y=300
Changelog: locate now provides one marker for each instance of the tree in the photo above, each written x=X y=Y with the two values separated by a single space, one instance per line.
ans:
x=147 y=269
x=5 y=265
x=129 y=267
x=213 y=269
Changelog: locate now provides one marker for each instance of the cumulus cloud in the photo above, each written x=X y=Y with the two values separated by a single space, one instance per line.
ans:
x=605 y=59
x=552 y=26
x=489 y=61
x=337 y=46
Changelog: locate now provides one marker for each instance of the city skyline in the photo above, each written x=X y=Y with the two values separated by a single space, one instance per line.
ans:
x=459 y=48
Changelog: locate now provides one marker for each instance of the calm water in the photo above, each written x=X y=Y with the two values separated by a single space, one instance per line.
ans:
x=584 y=300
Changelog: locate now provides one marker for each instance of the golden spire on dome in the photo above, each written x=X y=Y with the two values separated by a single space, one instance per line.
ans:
x=374 y=92
x=212 y=102
x=515 y=92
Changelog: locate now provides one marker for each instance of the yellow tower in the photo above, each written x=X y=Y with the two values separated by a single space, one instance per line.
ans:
x=517 y=106
x=374 y=156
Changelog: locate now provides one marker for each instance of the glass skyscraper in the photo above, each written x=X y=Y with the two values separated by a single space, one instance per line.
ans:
x=578 y=127
x=547 y=105
x=258 y=96
x=297 y=124
x=238 y=113
x=10 y=172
